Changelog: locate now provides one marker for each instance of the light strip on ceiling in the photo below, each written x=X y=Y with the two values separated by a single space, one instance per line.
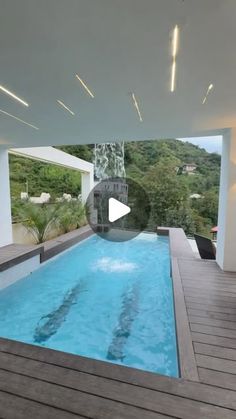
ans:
x=65 y=107
x=3 y=89
x=173 y=76
x=136 y=105
x=175 y=45
x=85 y=86
x=18 y=119
x=175 y=42
x=210 y=87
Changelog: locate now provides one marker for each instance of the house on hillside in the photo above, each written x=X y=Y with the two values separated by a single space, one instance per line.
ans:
x=189 y=168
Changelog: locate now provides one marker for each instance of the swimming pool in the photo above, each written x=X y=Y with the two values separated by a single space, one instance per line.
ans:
x=104 y=300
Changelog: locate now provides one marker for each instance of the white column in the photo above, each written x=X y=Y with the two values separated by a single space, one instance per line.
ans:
x=87 y=184
x=5 y=200
x=226 y=237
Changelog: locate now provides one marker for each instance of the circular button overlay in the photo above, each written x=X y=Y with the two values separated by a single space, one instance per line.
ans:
x=118 y=209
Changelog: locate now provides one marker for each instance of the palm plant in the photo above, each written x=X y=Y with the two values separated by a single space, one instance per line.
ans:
x=39 y=219
x=70 y=215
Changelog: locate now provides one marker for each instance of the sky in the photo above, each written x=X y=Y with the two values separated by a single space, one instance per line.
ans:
x=211 y=144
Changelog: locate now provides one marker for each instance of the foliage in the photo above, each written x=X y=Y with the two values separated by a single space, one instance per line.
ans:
x=181 y=217
x=166 y=190
x=207 y=206
x=139 y=156
x=38 y=219
x=42 y=177
x=156 y=166
x=83 y=151
x=71 y=215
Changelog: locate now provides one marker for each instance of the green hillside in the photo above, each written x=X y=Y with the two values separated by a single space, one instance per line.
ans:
x=157 y=165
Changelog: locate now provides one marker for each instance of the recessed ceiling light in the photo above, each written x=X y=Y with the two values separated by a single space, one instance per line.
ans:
x=18 y=119
x=136 y=105
x=175 y=42
x=3 y=89
x=175 y=45
x=173 y=76
x=85 y=86
x=65 y=107
x=210 y=87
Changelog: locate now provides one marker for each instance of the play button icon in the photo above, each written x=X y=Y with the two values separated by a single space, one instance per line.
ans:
x=117 y=210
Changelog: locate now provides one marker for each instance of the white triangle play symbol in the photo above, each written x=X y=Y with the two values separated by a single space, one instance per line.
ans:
x=117 y=210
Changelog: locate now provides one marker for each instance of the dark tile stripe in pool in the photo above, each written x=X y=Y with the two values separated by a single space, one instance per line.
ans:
x=122 y=332
x=55 y=319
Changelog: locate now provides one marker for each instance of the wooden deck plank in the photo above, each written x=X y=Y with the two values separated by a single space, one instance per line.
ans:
x=86 y=383
x=75 y=364
x=70 y=400
x=215 y=351
x=210 y=307
x=217 y=378
x=61 y=396
x=213 y=322
x=215 y=331
x=217 y=364
x=15 y=407
x=222 y=295
x=221 y=302
x=207 y=283
x=211 y=314
x=214 y=340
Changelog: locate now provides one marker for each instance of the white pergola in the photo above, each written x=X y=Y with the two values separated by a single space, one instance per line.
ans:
x=45 y=154
x=120 y=50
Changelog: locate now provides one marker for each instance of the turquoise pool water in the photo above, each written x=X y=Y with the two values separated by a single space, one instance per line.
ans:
x=104 y=300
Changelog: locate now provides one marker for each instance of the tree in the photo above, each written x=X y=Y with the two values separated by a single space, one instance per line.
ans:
x=207 y=206
x=166 y=190
x=182 y=217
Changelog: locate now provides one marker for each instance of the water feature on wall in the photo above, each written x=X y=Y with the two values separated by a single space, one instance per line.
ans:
x=109 y=160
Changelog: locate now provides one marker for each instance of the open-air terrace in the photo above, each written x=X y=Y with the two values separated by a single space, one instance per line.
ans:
x=100 y=321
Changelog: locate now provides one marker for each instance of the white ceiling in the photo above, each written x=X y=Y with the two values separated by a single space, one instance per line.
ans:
x=117 y=47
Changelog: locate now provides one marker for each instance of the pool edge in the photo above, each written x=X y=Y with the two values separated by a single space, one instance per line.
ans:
x=180 y=248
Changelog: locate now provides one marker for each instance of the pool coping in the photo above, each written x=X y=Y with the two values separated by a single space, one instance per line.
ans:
x=180 y=248
x=57 y=245
x=13 y=254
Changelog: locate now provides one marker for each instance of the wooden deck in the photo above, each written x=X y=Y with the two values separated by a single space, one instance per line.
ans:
x=41 y=383
x=210 y=296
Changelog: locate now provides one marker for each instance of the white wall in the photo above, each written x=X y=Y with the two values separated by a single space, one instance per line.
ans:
x=226 y=237
x=19 y=271
x=5 y=200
